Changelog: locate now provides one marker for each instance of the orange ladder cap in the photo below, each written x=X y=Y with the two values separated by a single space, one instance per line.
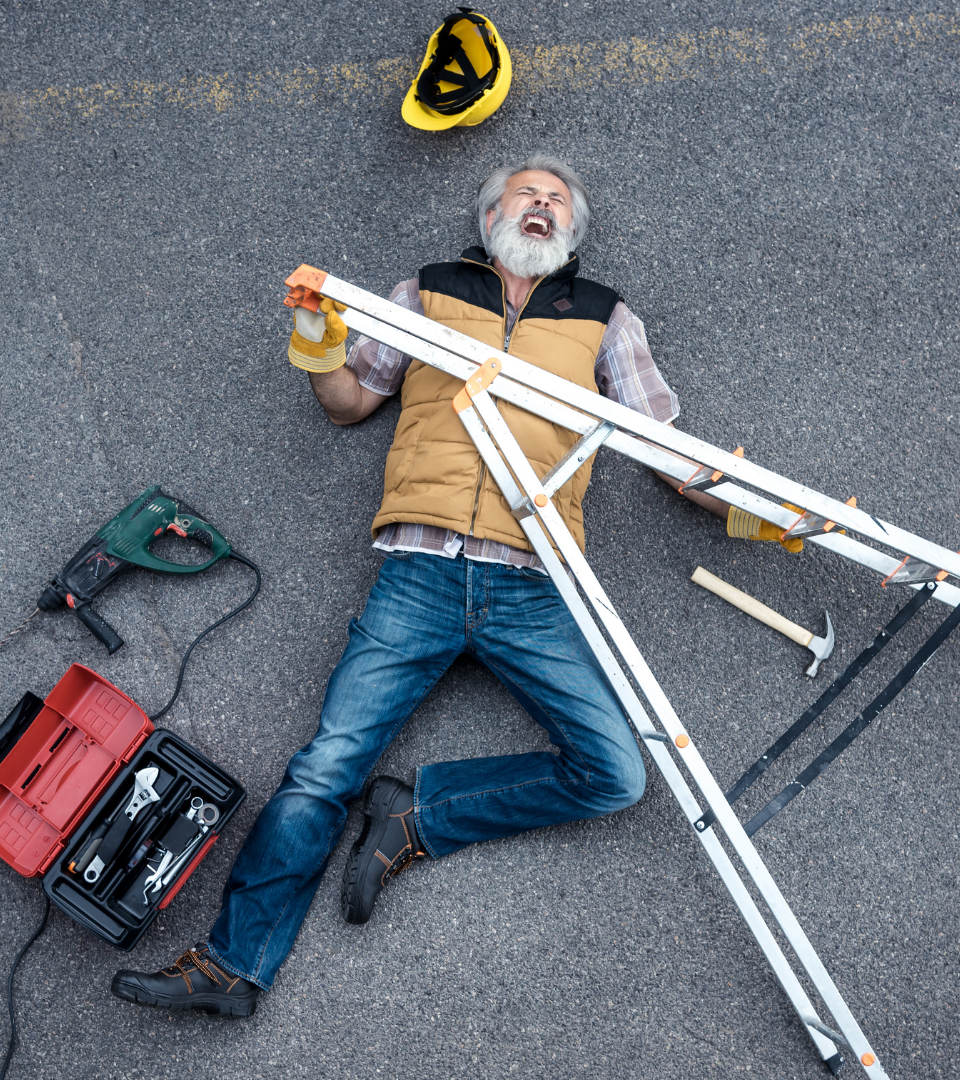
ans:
x=479 y=380
x=305 y=284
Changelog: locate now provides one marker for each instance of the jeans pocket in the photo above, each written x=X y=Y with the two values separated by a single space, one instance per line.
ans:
x=398 y=555
x=530 y=574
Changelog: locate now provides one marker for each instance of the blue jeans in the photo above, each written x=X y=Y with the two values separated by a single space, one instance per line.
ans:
x=423 y=612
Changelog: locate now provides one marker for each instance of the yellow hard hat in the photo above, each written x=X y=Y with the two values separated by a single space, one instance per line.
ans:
x=463 y=78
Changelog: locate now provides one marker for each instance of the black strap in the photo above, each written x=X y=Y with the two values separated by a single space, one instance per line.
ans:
x=790 y=736
x=470 y=86
x=851 y=731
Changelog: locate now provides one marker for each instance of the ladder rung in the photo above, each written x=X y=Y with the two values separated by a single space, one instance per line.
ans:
x=574 y=458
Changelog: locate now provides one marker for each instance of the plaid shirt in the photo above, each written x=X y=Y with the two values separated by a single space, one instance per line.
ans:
x=624 y=372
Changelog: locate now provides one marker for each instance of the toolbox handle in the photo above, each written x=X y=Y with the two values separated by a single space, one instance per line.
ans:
x=191 y=866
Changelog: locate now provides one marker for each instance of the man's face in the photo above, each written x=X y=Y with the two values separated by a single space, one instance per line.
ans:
x=530 y=192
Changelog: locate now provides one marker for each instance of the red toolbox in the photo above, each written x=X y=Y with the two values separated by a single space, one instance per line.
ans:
x=114 y=813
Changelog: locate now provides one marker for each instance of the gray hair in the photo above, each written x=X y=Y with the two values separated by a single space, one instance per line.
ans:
x=492 y=189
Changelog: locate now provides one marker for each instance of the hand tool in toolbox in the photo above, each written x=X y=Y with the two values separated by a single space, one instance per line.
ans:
x=182 y=839
x=88 y=788
x=143 y=795
x=820 y=647
x=487 y=373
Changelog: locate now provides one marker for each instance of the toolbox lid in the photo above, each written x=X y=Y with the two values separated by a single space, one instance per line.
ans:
x=56 y=761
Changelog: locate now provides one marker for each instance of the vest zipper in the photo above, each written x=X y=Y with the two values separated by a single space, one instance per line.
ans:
x=507 y=337
x=476 y=496
x=506 y=348
x=503 y=294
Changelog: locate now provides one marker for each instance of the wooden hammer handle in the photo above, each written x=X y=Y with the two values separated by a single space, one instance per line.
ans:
x=746 y=603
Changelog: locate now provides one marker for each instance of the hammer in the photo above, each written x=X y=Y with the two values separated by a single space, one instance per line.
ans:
x=821 y=647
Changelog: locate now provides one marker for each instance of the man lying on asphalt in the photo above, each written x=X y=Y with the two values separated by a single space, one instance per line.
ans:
x=459 y=577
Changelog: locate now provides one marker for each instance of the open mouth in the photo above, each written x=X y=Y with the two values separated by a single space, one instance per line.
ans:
x=536 y=225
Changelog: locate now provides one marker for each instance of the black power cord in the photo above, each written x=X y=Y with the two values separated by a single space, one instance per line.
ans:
x=11 y=1045
x=196 y=641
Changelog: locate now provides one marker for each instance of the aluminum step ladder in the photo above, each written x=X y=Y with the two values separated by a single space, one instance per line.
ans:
x=487 y=374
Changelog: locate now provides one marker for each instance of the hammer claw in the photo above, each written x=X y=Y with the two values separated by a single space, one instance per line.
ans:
x=821 y=647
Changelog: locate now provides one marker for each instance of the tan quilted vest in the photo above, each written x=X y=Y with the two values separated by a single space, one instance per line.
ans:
x=433 y=473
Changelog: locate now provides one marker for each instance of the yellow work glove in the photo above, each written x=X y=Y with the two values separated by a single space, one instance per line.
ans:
x=316 y=343
x=744 y=526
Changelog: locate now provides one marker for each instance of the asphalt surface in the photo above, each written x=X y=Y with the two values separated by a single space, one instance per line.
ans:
x=776 y=194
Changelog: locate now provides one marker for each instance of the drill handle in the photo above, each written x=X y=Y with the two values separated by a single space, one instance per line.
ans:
x=99 y=627
x=157 y=514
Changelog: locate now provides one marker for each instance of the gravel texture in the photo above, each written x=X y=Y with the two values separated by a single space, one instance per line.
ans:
x=776 y=194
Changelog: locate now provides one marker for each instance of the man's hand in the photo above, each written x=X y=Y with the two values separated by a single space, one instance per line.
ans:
x=742 y=525
x=317 y=346
x=317 y=341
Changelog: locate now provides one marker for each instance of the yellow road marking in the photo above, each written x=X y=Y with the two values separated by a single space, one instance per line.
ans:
x=825 y=40
x=708 y=55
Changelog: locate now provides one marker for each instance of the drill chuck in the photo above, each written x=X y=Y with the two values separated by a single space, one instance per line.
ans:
x=50 y=599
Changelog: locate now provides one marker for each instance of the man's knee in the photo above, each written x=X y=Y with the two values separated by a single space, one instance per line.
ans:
x=330 y=768
x=622 y=785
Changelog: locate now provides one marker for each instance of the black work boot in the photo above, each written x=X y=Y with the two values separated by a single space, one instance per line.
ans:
x=195 y=981
x=387 y=845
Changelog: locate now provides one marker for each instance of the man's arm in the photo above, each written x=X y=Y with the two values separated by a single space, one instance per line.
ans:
x=342 y=396
x=626 y=373
x=347 y=393
x=701 y=498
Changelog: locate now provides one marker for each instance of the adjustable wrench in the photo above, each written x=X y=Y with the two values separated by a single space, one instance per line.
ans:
x=143 y=795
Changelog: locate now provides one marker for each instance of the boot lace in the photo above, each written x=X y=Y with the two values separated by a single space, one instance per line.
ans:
x=191 y=956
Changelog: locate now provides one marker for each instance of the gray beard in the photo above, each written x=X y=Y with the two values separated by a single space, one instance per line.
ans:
x=522 y=255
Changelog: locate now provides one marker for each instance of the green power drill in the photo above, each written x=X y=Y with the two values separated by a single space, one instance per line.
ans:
x=124 y=542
